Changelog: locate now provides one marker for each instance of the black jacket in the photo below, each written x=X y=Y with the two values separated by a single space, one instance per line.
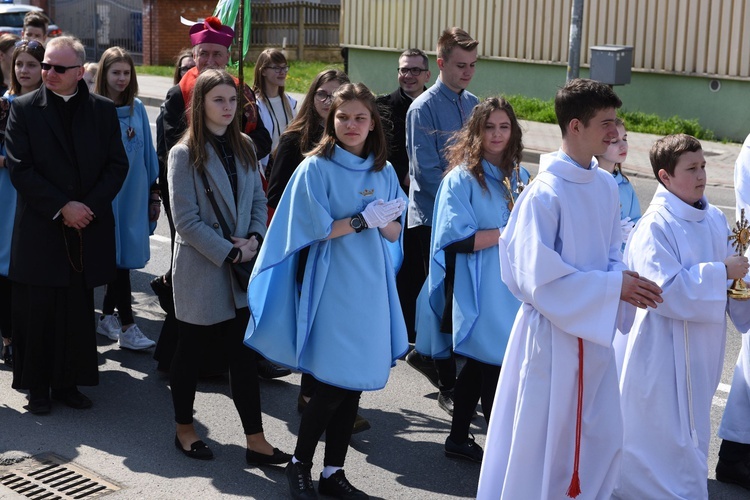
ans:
x=393 y=108
x=48 y=170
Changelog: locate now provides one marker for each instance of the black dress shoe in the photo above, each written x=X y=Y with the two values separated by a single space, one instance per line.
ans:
x=72 y=398
x=445 y=401
x=257 y=458
x=468 y=450
x=39 y=403
x=268 y=370
x=338 y=486
x=198 y=450
x=734 y=472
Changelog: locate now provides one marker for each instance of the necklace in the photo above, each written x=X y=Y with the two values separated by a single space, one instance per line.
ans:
x=130 y=132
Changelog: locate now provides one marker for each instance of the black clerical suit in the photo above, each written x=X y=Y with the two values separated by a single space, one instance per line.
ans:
x=59 y=152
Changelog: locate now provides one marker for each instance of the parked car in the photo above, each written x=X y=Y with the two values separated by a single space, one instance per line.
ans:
x=11 y=19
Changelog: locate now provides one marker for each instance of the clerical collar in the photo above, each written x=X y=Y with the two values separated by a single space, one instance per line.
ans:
x=66 y=98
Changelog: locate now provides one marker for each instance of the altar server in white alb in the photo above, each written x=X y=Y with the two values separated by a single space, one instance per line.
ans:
x=675 y=355
x=734 y=454
x=556 y=427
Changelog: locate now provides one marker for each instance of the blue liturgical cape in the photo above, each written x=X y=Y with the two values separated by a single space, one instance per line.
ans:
x=130 y=206
x=344 y=324
x=629 y=205
x=483 y=307
x=8 y=198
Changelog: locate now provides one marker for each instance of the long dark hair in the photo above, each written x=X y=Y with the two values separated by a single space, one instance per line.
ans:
x=307 y=119
x=35 y=50
x=465 y=146
x=197 y=134
x=374 y=143
x=268 y=58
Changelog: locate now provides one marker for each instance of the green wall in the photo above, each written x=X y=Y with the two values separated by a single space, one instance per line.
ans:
x=726 y=112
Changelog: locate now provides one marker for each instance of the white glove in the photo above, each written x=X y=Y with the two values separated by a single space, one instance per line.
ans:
x=626 y=227
x=379 y=213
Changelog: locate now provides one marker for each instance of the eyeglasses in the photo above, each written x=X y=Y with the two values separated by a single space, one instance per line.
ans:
x=185 y=69
x=323 y=96
x=59 y=69
x=32 y=44
x=279 y=69
x=413 y=71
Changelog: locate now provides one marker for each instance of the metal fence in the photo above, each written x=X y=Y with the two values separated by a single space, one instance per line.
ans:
x=101 y=24
x=276 y=24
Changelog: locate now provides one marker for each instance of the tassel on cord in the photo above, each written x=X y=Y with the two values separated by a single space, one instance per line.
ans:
x=575 y=482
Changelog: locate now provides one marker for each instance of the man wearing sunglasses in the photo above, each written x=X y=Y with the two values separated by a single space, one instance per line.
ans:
x=67 y=162
x=413 y=73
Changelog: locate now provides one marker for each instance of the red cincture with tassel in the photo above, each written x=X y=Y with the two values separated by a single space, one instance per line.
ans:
x=575 y=482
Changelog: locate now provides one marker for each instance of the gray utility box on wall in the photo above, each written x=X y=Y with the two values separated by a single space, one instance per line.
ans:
x=611 y=64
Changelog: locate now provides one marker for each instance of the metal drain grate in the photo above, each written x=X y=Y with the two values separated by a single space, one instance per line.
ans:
x=51 y=477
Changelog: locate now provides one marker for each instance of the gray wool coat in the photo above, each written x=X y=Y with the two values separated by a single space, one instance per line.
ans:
x=204 y=287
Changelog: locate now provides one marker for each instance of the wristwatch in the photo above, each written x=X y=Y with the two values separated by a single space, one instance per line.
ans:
x=358 y=223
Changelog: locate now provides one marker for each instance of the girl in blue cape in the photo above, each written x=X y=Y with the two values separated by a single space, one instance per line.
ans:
x=611 y=161
x=136 y=206
x=464 y=304
x=323 y=294
x=26 y=77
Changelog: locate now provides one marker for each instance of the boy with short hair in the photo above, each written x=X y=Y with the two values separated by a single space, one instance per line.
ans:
x=556 y=426
x=432 y=118
x=35 y=26
x=674 y=358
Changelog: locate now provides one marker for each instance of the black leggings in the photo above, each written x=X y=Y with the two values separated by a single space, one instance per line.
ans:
x=331 y=410
x=243 y=369
x=476 y=380
x=118 y=295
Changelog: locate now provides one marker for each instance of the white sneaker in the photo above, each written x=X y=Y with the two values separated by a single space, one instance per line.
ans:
x=133 y=339
x=109 y=326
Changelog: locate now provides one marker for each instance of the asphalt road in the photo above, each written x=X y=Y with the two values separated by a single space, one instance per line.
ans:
x=126 y=438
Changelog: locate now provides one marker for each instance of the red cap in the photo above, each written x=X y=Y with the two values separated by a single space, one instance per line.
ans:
x=211 y=31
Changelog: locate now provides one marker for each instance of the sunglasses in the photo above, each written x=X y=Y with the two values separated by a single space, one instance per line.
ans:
x=57 y=67
x=32 y=44
x=184 y=69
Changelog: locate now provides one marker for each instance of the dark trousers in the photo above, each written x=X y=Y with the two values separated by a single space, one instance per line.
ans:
x=409 y=280
x=54 y=340
x=476 y=381
x=331 y=410
x=5 y=298
x=446 y=368
x=117 y=296
x=243 y=370
x=732 y=451
x=307 y=385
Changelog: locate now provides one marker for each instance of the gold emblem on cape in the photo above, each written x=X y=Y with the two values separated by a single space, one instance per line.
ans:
x=367 y=192
x=740 y=238
x=520 y=186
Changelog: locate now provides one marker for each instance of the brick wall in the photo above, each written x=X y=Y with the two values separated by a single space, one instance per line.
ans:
x=163 y=34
